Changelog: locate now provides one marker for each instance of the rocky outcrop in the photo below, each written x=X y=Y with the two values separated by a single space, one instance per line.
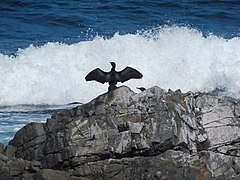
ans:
x=154 y=134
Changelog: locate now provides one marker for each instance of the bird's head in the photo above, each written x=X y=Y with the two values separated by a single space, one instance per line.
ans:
x=113 y=65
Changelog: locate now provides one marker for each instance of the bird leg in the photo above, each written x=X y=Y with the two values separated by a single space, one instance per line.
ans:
x=112 y=87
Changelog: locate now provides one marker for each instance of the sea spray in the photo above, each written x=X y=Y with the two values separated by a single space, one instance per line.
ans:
x=172 y=57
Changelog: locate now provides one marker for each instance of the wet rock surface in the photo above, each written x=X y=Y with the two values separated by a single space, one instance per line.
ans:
x=155 y=134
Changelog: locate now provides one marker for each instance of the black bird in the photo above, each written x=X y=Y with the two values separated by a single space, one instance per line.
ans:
x=113 y=77
x=141 y=88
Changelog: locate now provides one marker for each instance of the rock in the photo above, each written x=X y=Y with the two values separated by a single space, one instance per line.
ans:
x=16 y=167
x=3 y=158
x=1 y=148
x=10 y=151
x=35 y=166
x=222 y=165
x=154 y=134
x=49 y=174
x=29 y=139
x=28 y=177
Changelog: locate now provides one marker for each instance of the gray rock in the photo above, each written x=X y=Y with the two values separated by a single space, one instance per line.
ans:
x=35 y=166
x=28 y=177
x=10 y=151
x=29 y=139
x=49 y=174
x=3 y=158
x=1 y=148
x=124 y=135
x=16 y=167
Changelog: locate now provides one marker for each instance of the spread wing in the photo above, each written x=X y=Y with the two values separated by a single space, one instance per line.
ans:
x=129 y=73
x=97 y=75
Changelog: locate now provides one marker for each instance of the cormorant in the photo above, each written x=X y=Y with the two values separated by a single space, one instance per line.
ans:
x=141 y=88
x=113 y=77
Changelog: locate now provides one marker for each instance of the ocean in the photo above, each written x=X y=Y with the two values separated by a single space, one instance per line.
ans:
x=48 y=47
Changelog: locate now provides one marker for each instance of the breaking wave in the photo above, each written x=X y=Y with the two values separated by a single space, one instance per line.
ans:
x=170 y=57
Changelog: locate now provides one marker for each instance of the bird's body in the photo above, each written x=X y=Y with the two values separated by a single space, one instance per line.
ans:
x=141 y=88
x=113 y=77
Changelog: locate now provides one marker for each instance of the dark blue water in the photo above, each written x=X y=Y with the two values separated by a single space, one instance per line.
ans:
x=186 y=44
x=25 y=22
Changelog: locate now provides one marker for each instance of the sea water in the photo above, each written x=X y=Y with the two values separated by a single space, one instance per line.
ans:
x=48 y=47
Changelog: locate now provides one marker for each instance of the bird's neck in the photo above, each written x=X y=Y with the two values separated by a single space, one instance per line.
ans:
x=113 y=68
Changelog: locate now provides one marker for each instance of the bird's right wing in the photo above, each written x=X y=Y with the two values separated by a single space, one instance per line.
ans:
x=129 y=73
x=97 y=75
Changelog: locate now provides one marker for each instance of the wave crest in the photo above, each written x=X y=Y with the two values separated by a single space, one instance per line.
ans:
x=170 y=57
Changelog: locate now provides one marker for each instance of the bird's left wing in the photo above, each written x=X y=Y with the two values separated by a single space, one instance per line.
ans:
x=97 y=75
x=128 y=73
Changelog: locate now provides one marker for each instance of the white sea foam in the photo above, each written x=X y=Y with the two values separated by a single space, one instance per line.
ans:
x=11 y=128
x=169 y=57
